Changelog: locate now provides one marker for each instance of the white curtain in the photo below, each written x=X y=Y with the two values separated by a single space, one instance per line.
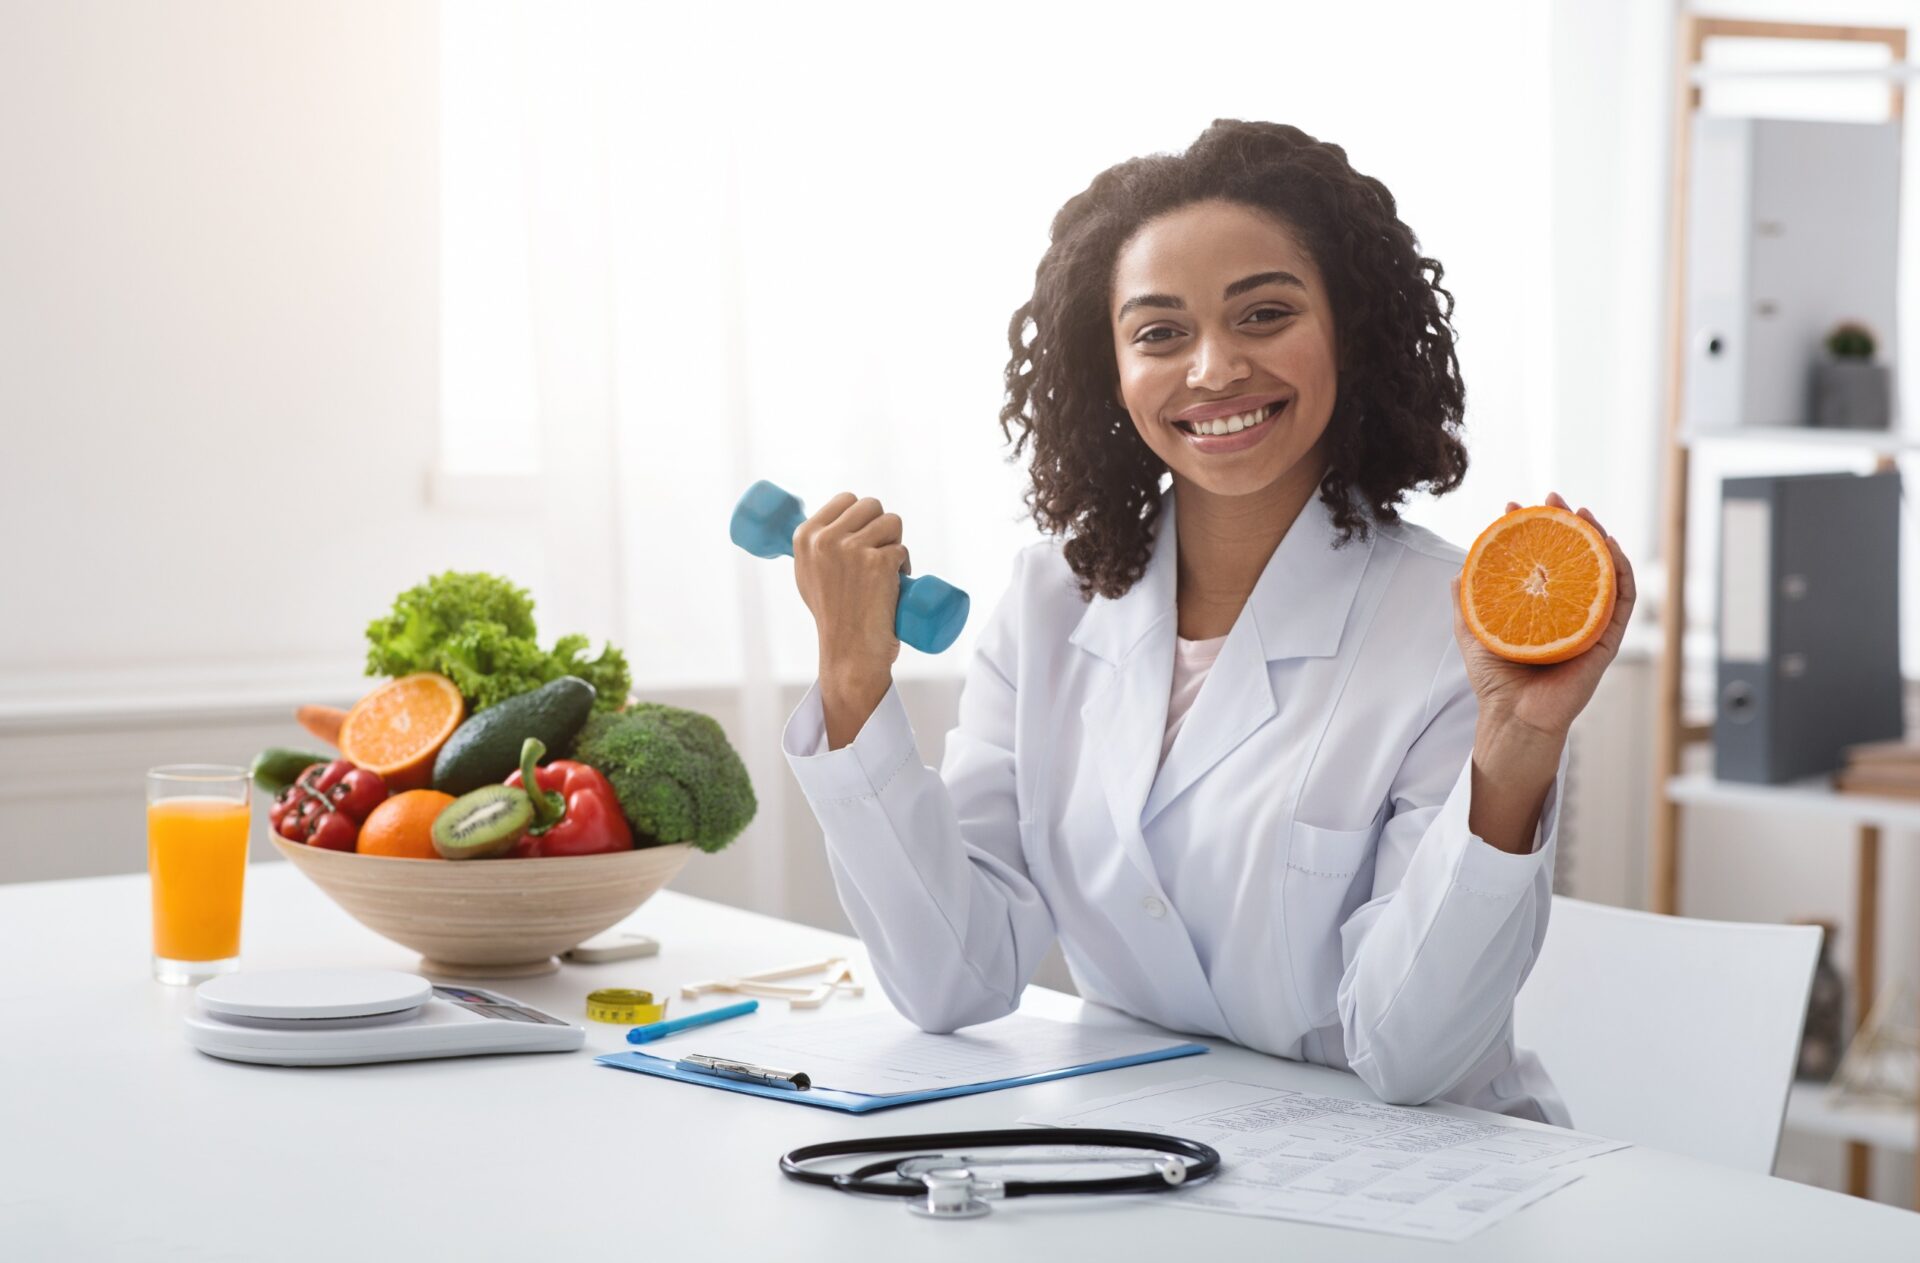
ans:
x=786 y=243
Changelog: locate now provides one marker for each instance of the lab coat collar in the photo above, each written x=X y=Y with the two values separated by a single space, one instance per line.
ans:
x=1306 y=564
x=1297 y=609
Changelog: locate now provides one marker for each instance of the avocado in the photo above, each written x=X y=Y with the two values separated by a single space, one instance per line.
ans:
x=485 y=749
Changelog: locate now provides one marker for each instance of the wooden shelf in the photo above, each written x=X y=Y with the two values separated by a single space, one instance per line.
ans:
x=1866 y=442
x=1895 y=72
x=1815 y=797
x=1809 y=1107
x=1811 y=1110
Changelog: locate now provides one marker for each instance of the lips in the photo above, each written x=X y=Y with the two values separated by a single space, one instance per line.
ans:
x=1228 y=407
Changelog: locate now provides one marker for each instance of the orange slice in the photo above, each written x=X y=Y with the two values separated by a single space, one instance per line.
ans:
x=1538 y=585
x=398 y=728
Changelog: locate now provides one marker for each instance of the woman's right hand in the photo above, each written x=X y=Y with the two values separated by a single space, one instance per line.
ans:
x=847 y=561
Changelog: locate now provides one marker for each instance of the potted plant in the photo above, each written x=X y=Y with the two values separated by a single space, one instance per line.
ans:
x=1850 y=391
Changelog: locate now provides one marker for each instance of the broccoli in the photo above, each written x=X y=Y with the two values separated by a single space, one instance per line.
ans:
x=677 y=777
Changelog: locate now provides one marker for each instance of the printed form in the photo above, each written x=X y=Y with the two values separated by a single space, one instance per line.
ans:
x=1348 y=1164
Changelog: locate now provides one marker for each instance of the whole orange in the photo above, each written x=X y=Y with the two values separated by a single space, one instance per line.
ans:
x=402 y=826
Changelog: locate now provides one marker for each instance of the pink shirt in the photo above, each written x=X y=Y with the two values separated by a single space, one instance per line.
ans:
x=1191 y=659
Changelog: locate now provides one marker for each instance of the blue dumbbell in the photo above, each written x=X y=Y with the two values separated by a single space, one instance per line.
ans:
x=931 y=611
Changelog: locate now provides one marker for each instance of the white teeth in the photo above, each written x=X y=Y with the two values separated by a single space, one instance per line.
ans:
x=1231 y=425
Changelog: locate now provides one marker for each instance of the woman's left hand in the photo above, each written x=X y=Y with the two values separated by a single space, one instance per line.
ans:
x=1543 y=700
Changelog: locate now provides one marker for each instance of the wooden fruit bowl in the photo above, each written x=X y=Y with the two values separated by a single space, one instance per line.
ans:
x=498 y=918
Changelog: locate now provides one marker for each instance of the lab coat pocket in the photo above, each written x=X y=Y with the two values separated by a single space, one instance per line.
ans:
x=1322 y=852
x=1329 y=874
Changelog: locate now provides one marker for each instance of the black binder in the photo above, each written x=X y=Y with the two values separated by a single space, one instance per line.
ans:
x=1809 y=626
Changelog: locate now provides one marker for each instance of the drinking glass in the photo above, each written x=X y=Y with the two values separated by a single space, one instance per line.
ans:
x=198 y=816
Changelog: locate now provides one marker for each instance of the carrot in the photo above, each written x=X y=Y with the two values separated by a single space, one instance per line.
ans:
x=322 y=721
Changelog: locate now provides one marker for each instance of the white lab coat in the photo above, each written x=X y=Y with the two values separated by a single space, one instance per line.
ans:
x=1298 y=878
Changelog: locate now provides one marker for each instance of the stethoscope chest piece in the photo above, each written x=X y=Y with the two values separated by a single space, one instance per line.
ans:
x=949 y=1196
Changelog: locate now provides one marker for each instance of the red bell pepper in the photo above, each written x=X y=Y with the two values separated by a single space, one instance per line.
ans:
x=326 y=805
x=575 y=811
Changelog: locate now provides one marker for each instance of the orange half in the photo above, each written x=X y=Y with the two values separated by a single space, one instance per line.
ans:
x=397 y=729
x=1538 y=585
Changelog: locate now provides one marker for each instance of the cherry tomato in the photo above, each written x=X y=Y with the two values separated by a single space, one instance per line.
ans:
x=334 y=832
x=326 y=804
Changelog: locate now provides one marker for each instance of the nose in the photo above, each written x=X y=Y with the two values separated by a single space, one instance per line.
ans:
x=1215 y=364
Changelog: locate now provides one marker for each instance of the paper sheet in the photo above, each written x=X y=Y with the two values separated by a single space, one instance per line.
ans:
x=878 y=1054
x=1345 y=1163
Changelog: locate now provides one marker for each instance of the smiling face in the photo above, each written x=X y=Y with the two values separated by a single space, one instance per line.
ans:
x=1219 y=313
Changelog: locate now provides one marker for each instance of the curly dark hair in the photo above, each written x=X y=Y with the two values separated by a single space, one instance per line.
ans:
x=1396 y=419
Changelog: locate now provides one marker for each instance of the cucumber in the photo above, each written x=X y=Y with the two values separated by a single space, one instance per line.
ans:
x=485 y=750
x=276 y=768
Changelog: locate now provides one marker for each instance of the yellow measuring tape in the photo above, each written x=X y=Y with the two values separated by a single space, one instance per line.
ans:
x=629 y=1008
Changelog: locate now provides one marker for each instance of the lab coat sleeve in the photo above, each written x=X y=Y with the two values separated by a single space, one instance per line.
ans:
x=929 y=865
x=1432 y=962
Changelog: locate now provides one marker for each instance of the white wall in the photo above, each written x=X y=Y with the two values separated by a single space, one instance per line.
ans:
x=1606 y=295
x=218 y=308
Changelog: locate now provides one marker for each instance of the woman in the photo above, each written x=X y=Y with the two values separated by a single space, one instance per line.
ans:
x=1229 y=755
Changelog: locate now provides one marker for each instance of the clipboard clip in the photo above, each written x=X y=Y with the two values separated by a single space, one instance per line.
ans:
x=701 y=1063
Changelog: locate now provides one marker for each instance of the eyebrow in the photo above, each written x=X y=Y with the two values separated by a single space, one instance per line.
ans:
x=1234 y=290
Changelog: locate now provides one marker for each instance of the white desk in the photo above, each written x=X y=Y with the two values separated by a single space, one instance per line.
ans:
x=118 y=1141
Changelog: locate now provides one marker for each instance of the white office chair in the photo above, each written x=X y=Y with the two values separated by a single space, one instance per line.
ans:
x=1670 y=1032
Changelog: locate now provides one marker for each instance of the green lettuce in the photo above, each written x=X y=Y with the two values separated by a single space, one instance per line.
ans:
x=477 y=630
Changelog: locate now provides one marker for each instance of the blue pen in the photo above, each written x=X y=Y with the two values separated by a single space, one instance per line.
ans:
x=660 y=1030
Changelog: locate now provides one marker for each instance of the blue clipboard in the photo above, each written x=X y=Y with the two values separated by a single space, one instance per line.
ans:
x=860 y=1102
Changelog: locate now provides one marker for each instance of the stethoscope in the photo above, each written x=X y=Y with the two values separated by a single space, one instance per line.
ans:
x=949 y=1188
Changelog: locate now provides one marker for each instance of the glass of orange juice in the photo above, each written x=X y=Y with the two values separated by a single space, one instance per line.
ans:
x=198 y=815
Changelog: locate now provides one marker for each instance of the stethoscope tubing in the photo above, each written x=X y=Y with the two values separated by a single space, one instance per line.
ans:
x=1205 y=1159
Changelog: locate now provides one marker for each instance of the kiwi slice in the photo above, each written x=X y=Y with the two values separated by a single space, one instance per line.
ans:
x=483 y=824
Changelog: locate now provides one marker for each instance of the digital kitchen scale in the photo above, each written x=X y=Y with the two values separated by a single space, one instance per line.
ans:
x=347 y=1017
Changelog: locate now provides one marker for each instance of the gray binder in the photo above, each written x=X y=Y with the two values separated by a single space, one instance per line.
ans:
x=1809 y=629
